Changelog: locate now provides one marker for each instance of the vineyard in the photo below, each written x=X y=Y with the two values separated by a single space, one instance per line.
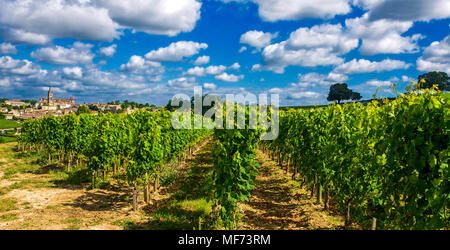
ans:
x=382 y=165
x=139 y=148
x=388 y=161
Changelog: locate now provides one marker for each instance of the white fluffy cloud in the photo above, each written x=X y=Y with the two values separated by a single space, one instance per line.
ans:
x=277 y=57
x=7 y=62
x=182 y=82
x=436 y=57
x=4 y=82
x=383 y=36
x=164 y=17
x=79 y=53
x=319 y=45
x=59 y=18
x=8 y=65
x=27 y=68
x=13 y=70
x=405 y=10
x=257 y=67
x=7 y=48
x=202 y=71
x=209 y=86
x=407 y=79
x=74 y=72
x=135 y=63
x=313 y=79
x=176 y=52
x=336 y=77
x=424 y=65
x=328 y=36
x=366 y=4
x=215 y=70
x=275 y=10
x=196 y=71
x=108 y=51
x=305 y=94
x=235 y=66
x=21 y=36
x=38 y=21
x=139 y=65
x=276 y=90
x=202 y=60
x=410 y=10
x=257 y=39
x=438 y=51
x=378 y=83
x=365 y=66
x=229 y=77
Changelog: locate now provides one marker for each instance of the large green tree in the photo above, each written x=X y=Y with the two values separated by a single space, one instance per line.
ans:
x=356 y=96
x=340 y=91
x=435 y=78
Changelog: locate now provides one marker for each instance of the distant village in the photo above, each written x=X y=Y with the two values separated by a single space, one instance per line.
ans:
x=50 y=106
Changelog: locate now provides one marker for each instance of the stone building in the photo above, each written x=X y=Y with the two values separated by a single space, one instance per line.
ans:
x=16 y=103
x=55 y=103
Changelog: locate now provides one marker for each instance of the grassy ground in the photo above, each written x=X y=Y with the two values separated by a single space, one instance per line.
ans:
x=35 y=196
x=184 y=204
x=6 y=139
x=8 y=124
x=8 y=136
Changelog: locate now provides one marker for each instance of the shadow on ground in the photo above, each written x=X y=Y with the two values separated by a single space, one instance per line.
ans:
x=101 y=200
x=187 y=204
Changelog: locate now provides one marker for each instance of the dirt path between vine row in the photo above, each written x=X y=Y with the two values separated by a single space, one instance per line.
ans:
x=278 y=203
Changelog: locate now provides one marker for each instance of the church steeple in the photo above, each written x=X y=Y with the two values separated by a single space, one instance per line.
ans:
x=50 y=96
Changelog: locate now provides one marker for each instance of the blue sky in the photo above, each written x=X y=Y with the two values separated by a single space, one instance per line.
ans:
x=148 y=51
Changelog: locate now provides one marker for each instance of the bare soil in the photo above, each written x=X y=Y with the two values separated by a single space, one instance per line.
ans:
x=278 y=203
x=31 y=199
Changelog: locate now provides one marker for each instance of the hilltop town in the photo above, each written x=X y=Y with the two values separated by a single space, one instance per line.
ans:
x=46 y=106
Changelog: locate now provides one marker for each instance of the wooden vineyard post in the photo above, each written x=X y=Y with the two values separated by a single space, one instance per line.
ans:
x=146 y=193
x=135 y=196
x=280 y=163
x=146 y=189
x=156 y=184
x=93 y=179
x=348 y=215
x=374 y=223
x=288 y=163
x=319 y=194
x=138 y=196
x=294 y=171
x=69 y=162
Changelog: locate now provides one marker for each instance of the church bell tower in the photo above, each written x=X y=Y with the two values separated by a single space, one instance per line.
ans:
x=50 y=96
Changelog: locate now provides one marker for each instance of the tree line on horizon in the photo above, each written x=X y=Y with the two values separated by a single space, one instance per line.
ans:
x=340 y=91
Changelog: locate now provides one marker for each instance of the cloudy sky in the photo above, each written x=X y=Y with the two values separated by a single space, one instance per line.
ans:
x=149 y=50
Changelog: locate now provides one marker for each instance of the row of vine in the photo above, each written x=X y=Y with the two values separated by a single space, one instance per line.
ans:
x=139 y=146
x=384 y=161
